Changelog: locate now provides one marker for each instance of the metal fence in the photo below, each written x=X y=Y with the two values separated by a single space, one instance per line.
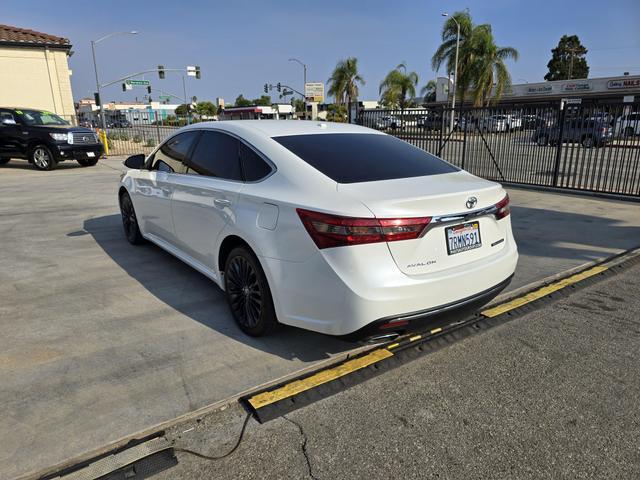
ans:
x=584 y=147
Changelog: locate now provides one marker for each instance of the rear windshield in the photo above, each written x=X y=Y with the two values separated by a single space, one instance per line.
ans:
x=362 y=157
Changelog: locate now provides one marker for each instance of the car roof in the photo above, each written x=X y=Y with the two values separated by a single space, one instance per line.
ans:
x=278 y=128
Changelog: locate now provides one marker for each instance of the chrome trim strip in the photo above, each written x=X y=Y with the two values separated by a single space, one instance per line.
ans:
x=458 y=217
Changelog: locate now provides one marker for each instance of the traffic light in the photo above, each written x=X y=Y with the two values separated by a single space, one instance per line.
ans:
x=149 y=89
x=96 y=96
x=161 y=72
x=266 y=88
x=279 y=87
x=124 y=87
x=198 y=72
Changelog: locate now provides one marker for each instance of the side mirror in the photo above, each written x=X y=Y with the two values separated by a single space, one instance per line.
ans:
x=135 y=161
x=8 y=121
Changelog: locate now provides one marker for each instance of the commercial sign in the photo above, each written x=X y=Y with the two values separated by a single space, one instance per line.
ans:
x=314 y=92
x=539 y=90
x=624 y=83
x=576 y=87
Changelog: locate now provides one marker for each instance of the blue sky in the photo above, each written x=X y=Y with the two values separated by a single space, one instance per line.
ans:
x=241 y=44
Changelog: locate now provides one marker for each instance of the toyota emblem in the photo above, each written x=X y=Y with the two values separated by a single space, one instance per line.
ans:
x=471 y=202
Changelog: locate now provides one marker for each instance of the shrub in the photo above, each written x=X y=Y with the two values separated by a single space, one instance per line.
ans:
x=137 y=139
x=151 y=143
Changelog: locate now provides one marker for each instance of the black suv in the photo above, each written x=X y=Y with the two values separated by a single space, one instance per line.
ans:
x=45 y=139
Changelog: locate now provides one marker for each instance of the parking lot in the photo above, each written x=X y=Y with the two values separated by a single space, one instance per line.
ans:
x=103 y=340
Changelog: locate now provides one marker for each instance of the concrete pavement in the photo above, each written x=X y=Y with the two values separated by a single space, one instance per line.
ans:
x=551 y=394
x=102 y=340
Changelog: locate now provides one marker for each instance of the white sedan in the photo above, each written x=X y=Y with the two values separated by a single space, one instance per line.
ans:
x=329 y=227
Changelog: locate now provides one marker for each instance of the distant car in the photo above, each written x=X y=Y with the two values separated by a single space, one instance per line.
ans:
x=432 y=122
x=119 y=124
x=45 y=139
x=531 y=122
x=494 y=123
x=388 y=122
x=628 y=125
x=330 y=227
x=589 y=133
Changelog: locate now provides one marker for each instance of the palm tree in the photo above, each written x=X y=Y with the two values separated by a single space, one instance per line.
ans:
x=487 y=69
x=481 y=61
x=343 y=83
x=399 y=87
x=428 y=92
x=446 y=52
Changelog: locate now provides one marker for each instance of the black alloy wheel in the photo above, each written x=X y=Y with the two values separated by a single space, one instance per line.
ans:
x=129 y=220
x=248 y=293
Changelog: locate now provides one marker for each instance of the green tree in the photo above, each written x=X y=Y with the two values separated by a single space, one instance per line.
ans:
x=487 y=69
x=343 y=83
x=182 y=109
x=264 y=101
x=242 y=102
x=337 y=112
x=567 y=60
x=481 y=63
x=206 y=108
x=298 y=104
x=429 y=91
x=399 y=87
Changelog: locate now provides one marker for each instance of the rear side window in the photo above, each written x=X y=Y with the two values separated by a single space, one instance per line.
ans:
x=362 y=157
x=170 y=156
x=216 y=155
x=253 y=167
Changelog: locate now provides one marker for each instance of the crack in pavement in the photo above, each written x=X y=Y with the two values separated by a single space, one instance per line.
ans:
x=304 y=446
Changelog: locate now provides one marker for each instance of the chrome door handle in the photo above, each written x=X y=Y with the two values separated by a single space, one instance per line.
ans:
x=222 y=202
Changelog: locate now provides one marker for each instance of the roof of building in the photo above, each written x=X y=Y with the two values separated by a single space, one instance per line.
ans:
x=22 y=36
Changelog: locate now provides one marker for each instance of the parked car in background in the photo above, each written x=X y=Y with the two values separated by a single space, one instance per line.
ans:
x=531 y=122
x=290 y=217
x=45 y=139
x=119 y=124
x=628 y=125
x=589 y=133
x=387 y=122
x=494 y=123
x=432 y=122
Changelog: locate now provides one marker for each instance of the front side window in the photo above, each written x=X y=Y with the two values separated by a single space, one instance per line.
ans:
x=216 y=155
x=363 y=157
x=171 y=155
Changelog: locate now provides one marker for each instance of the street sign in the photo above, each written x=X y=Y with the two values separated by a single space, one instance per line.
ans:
x=138 y=83
x=314 y=91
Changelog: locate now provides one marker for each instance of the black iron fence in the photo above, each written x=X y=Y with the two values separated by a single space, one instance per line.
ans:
x=590 y=147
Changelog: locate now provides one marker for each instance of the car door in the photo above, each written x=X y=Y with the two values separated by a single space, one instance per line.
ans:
x=9 y=134
x=154 y=186
x=204 y=200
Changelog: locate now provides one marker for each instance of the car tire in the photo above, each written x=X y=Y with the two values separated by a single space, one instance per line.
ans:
x=542 y=141
x=130 y=221
x=42 y=158
x=4 y=160
x=587 y=141
x=248 y=293
x=88 y=162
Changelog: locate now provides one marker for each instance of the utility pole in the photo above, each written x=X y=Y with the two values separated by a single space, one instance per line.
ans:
x=95 y=69
x=304 y=66
x=573 y=52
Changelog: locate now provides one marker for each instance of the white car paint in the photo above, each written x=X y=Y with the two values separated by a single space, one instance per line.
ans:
x=332 y=290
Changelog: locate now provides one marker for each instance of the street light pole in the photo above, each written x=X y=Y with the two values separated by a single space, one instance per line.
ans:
x=304 y=66
x=95 y=69
x=455 y=73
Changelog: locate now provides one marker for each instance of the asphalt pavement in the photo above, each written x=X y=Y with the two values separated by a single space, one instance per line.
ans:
x=102 y=340
x=551 y=394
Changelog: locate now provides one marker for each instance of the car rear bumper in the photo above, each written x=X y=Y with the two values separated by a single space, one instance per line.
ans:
x=339 y=293
x=77 y=152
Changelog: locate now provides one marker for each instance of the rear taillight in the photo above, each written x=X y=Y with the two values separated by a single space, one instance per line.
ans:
x=502 y=208
x=335 y=231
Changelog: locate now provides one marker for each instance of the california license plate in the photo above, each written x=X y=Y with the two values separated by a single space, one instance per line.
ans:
x=461 y=238
x=91 y=154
